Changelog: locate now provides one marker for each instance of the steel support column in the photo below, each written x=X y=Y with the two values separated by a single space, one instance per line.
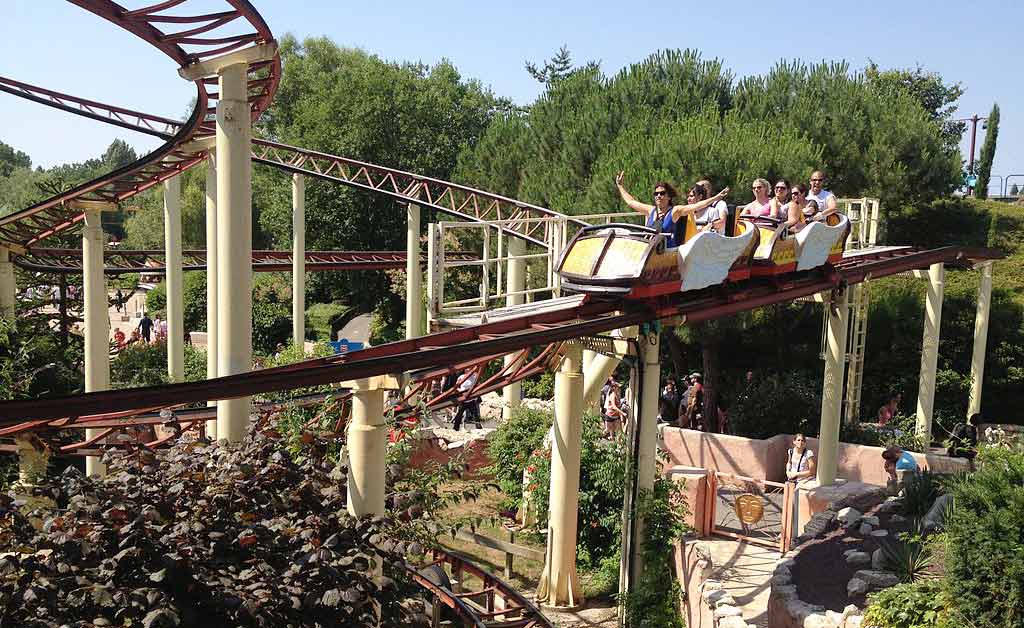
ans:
x=97 y=319
x=413 y=274
x=980 y=338
x=234 y=244
x=559 y=584
x=647 y=424
x=173 y=280
x=837 y=314
x=8 y=288
x=211 y=279
x=515 y=282
x=299 y=260
x=930 y=349
x=367 y=444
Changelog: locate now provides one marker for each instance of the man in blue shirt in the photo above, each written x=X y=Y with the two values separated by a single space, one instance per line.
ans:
x=898 y=460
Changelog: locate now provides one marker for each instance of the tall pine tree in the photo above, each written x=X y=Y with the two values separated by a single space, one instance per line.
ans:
x=988 y=153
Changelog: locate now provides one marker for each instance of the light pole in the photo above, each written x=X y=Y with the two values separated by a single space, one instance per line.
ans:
x=974 y=136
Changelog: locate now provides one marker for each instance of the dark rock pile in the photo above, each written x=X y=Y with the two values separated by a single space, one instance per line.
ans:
x=203 y=535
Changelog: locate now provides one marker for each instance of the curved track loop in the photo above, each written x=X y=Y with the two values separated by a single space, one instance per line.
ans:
x=119 y=262
x=188 y=34
x=492 y=604
x=465 y=202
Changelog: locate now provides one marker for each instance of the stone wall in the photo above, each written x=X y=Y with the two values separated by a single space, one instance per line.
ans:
x=766 y=459
x=706 y=604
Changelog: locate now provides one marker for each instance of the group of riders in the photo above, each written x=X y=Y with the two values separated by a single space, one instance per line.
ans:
x=789 y=209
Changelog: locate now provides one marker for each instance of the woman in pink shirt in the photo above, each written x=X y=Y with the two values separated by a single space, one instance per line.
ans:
x=761 y=205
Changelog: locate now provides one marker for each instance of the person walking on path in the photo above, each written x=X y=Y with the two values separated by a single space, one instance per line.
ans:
x=469 y=408
x=611 y=419
x=145 y=327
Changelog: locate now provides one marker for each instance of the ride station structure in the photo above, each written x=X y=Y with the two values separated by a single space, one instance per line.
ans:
x=573 y=294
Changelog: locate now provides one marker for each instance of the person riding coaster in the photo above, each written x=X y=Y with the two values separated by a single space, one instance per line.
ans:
x=671 y=255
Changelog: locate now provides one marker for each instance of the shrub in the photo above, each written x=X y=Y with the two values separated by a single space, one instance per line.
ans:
x=940 y=223
x=919 y=604
x=985 y=541
x=777 y=403
x=322 y=319
x=541 y=387
x=511 y=447
x=139 y=364
x=654 y=600
x=919 y=493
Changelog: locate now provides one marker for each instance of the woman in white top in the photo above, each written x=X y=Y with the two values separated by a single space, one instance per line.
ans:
x=800 y=469
x=714 y=217
x=800 y=464
x=779 y=200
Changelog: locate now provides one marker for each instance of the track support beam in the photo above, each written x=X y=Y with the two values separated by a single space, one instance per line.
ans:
x=299 y=260
x=97 y=319
x=837 y=314
x=515 y=282
x=930 y=349
x=367 y=445
x=559 y=583
x=174 y=280
x=980 y=338
x=8 y=287
x=413 y=274
x=234 y=245
x=211 y=280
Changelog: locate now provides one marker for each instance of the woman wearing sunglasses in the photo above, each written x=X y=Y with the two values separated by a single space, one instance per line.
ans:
x=779 y=200
x=761 y=206
x=795 y=208
x=663 y=215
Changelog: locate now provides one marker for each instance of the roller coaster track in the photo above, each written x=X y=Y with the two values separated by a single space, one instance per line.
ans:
x=462 y=201
x=207 y=35
x=119 y=262
x=199 y=36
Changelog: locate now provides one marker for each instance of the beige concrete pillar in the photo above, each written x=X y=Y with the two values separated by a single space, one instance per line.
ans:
x=594 y=377
x=32 y=462
x=559 y=584
x=367 y=444
x=8 y=289
x=211 y=280
x=837 y=314
x=980 y=338
x=647 y=424
x=413 y=273
x=97 y=318
x=298 y=260
x=515 y=281
x=930 y=349
x=234 y=245
x=173 y=280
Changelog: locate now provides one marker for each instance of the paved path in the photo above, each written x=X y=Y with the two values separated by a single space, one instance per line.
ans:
x=745 y=570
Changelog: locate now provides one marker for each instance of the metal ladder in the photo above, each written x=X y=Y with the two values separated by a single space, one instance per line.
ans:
x=863 y=213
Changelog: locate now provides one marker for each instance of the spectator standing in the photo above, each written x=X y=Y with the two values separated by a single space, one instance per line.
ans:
x=669 y=401
x=118 y=301
x=145 y=327
x=964 y=439
x=119 y=339
x=611 y=419
x=889 y=409
x=695 y=404
x=469 y=408
x=800 y=470
x=161 y=328
x=826 y=200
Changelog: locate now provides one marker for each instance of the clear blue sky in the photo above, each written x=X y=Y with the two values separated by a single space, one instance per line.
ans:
x=54 y=44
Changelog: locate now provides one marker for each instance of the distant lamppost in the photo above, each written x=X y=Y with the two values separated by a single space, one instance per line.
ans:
x=971 y=179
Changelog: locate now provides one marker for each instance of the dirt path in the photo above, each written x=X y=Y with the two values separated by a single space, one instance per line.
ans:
x=745 y=570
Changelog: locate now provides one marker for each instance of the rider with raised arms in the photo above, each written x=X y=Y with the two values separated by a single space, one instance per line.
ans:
x=663 y=215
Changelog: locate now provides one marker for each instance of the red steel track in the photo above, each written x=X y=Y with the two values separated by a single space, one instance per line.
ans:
x=189 y=35
x=119 y=262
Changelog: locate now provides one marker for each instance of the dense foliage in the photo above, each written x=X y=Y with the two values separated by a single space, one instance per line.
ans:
x=920 y=604
x=988 y=152
x=204 y=535
x=777 y=403
x=654 y=600
x=985 y=541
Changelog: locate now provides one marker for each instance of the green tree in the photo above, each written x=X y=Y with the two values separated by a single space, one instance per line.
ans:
x=928 y=88
x=554 y=69
x=11 y=159
x=344 y=101
x=988 y=153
